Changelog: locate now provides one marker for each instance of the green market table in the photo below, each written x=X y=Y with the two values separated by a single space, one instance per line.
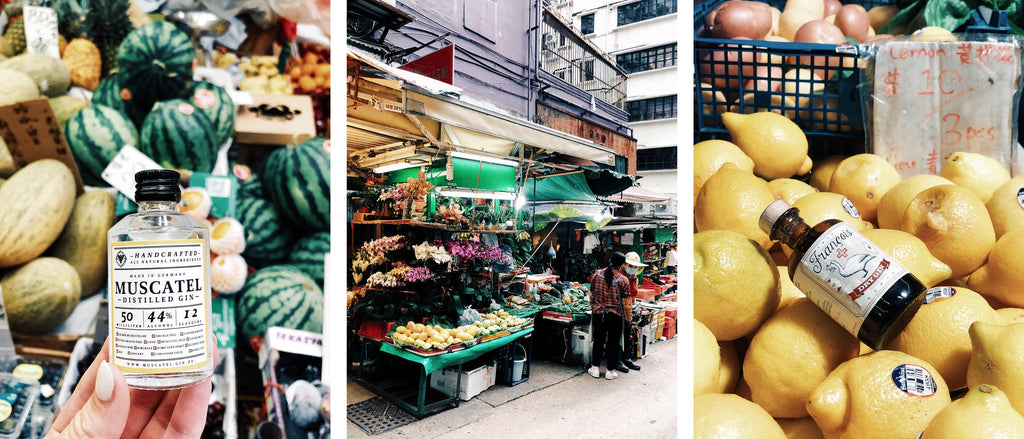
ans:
x=400 y=395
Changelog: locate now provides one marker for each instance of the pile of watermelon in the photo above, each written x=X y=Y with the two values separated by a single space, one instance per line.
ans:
x=284 y=208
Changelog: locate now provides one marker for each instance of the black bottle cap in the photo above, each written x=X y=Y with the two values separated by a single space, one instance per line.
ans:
x=157 y=185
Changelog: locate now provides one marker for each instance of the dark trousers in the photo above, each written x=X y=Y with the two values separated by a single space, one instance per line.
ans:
x=629 y=340
x=607 y=331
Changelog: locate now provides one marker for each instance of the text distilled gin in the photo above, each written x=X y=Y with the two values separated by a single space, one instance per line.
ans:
x=861 y=287
x=159 y=288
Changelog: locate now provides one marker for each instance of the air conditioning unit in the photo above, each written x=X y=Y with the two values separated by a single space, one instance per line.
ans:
x=550 y=41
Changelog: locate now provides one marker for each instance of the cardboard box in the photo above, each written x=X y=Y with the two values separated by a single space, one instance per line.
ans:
x=275 y=120
x=473 y=381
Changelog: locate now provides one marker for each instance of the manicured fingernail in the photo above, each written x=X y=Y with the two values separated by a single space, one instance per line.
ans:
x=104 y=382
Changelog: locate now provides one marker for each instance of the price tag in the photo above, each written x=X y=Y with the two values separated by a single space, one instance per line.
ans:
x=932 y=99
x=41 y=31
x=32 y=133
x=223 y=310
x=120 y=173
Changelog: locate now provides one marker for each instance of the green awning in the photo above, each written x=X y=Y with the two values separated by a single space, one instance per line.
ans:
x=467 y=173
x=570 y=186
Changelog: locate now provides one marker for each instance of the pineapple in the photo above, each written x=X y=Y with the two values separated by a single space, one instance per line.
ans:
x=83 y=60
x=15 y=34
x=107 y=24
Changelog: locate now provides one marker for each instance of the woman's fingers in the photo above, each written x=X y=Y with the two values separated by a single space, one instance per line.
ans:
x=104 y=413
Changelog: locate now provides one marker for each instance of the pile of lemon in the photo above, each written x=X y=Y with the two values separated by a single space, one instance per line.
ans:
x=769 y=363
x=432 y=337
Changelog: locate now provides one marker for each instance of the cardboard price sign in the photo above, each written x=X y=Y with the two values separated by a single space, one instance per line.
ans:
x=932 y=99
x=32 y=133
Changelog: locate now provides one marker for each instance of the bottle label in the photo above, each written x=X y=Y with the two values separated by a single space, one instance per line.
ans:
x=938 y=293
x=914 y=380
x=845 y=275
x=158 y=306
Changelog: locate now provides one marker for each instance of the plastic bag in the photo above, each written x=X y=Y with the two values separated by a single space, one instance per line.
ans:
x=469 y=315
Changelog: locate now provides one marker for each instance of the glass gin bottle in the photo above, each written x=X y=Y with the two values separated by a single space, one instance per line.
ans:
x=159 y=289
x=858 y=285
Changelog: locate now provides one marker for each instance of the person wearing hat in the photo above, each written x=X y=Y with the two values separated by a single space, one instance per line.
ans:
x=607 y=288
x=633 y=266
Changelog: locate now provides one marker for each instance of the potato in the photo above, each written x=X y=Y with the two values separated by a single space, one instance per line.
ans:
x=739 y=18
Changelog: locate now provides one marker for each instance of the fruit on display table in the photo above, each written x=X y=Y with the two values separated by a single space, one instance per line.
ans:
x=83 y=242
x=40 y=295
x=279 y=295
x=154 y=62
x=95 y=135
x=178 y=136
x=37 y=201
x=297 y=180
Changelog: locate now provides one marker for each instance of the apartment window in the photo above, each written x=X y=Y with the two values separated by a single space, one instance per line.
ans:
x=655 y=159
x=588 y=70
x=651 y=109
x=560 y=73
x=648 y=59
x=644 y=10
x=587 y=24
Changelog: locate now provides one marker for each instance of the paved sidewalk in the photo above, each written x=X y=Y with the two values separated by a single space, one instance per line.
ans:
x=558 y=401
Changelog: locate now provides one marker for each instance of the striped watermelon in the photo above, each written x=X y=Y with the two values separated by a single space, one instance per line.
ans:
x=267 y=237
x=217 y=104
x=251 y=188
x=112 y=94
x=307 y=254
x=155 y=62
x=298 y=180
x=95 y=135
x=279 y=295
x=177 y=135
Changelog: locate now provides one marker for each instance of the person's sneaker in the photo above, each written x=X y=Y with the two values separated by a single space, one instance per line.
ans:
x=594 y=371
x=611 y=375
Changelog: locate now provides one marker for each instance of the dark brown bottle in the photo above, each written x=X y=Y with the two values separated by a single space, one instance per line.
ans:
x=861 y=287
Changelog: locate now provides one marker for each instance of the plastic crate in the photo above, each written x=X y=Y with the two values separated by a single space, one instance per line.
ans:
x=828 y=109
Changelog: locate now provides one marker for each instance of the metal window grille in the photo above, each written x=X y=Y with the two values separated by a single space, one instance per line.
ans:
x=654 y=159
x=648 y=59
x=662 y=107
x=645 y=10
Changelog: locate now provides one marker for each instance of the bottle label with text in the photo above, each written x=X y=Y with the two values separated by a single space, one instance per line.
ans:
x=845 y=275
x=158 y=305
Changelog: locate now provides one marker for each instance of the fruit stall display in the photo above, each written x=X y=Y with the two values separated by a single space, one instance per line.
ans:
x=127 y=78
x=769 y=360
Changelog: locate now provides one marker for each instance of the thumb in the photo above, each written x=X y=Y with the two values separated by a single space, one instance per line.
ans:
x=105 y=413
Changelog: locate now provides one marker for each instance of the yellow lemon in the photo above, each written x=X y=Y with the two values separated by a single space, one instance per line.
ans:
x=776 y=144
x=728 y=416
x=735 y=285
x=1011 y=315
x=789 y=190
x=984 y=412
x=733 y=199
x=729 y=369
x=1006 y=207
x=938 y=333
x=710 y=155
x=706 y=359
x=788 y=292
x=800 y=428
x=864 y=179
x=821 y=173
x=996 y=359
x=979 y=173
x=895 y=201
x=953 y=223
x=932 y=33
x=884 y=394
x=1003 y=274
x=791 y=354
x=911 y=253
x=820 y=206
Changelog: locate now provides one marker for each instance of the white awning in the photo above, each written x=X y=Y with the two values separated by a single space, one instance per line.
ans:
x=637 y=194
x=431 y=99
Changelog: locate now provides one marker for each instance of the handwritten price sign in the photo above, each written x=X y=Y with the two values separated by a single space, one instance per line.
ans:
x=932 y=99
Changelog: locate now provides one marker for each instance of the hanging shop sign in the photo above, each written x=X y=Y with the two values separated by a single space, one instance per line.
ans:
x=439 y=65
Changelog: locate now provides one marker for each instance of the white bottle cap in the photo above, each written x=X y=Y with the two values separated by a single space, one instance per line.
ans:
x=771 y=214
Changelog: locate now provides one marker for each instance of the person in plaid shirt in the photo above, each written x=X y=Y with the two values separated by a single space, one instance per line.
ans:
x=607 y=287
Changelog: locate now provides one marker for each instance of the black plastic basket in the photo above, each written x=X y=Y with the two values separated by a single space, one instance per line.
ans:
x=826 y=106
x=506 y=360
